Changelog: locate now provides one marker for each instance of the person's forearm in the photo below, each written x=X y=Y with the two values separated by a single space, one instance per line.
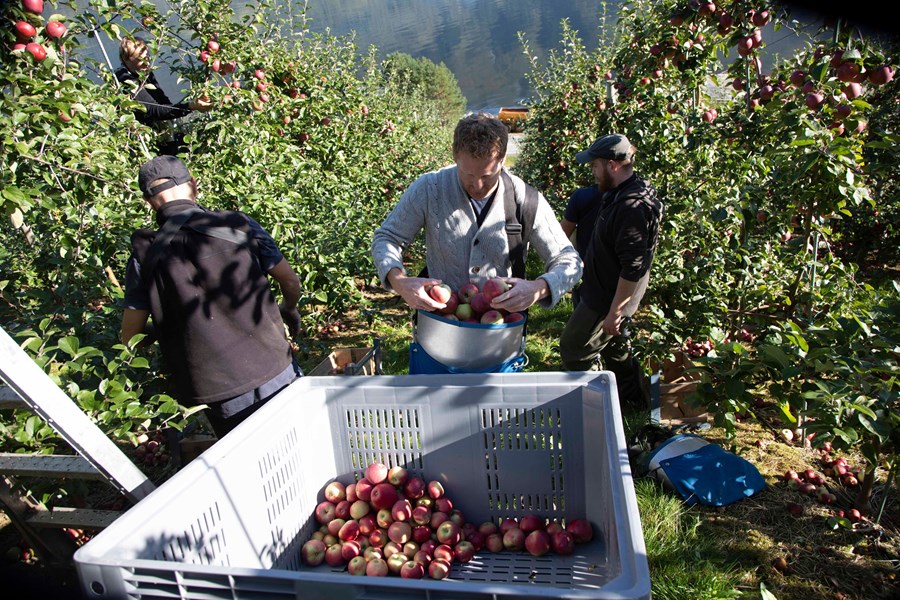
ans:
x=624 y=292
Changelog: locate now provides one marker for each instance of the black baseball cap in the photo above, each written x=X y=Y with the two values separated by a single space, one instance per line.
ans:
x=614 y=146
x=162 y=167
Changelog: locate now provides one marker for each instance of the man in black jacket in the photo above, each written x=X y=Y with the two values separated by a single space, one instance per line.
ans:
x=138 y=80
x=616 y=269
x=203 y=277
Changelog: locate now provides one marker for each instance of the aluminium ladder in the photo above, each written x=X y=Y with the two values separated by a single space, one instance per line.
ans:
x=98 y=458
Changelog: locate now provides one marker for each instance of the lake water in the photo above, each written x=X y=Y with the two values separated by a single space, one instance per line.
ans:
x=476 y=39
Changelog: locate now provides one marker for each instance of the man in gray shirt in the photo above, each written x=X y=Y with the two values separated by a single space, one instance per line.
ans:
x=461 y=208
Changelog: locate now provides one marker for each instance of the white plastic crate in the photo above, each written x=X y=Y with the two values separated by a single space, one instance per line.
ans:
x=231 y=523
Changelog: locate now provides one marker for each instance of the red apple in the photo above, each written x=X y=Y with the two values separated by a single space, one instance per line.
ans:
x=562 y=542
x=881 y=75
x=335 y=492
x=397 y=476
x=480 y=303
x=440 y=292
x=357 y=566
x=464 y=312
x=448 y=533
x=798 y=77
x=378 y=538
x=325 y=512
x=514 y=539
x=334 y=526
x=367 y=524
x=492 y=317
x=493 y=542
x=55 y=29
x=439 y=569
x=581 y=530
x=313 y=552
x=25 y=30
x=334 y=556
x=342 y=510
x=530 y=523
x=443 y=552
x=435 y=489
x=507 y=524
x=487 y=528
x=421 y=515
x=414 y=488
x=359 y=509
x=464 y=551
x=421 y=534
x=36 y=50
x=438 y=518
x=384 y=519
x=377 y=568
x=229 y=67
x=384 y=495
x=477 y=539
x=537 y=543
x=212 y=46
x=494 y=287
x=854 y=515
x=364 y=489
x=814 y=100
x=412 y=570
x=467 y=291
x=402 y=510
x=349 y=531
x=376 y=472
x=399 y=532
x=456 y=516
x=848 y=71
x=852 y=90
x=350 y=549
x=35 y=7
x=443 y=504
x=761 y=18
x=553 y=526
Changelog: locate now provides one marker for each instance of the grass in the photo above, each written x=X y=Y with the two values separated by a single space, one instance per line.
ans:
x=700 y=552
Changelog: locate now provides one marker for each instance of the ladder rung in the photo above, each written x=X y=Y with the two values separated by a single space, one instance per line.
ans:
x=10 y=399
x=47 y=465
x=77 y=518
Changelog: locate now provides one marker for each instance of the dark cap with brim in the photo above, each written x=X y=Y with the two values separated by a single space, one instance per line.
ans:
x=614 y=146
x=162 y=167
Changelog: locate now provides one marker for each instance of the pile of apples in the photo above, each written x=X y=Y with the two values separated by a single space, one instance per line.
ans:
x=813 y=483
x=27 y=34
x=152 y=451
x=472 y=305
x=391 y=523
x=696 y=349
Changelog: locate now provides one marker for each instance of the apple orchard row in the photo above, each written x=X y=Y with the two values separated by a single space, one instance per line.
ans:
x=391 y=523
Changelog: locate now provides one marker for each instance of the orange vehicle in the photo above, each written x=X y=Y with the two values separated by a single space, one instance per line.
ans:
x=514 y=117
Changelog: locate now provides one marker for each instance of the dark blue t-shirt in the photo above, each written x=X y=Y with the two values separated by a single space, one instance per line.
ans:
x=582 y=210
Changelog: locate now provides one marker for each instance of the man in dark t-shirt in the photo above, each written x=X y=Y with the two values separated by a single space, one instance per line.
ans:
x=578 y=218
x=616 y=269
x=203 y=278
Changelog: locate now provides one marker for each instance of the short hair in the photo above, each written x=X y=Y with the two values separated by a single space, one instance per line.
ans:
x=482 y=135
x=131 y=48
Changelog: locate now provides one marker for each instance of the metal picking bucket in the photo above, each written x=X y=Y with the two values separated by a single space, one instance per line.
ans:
x=468 y=345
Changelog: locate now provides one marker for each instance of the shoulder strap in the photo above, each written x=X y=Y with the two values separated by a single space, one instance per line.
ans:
x=519 y=223
x=173 y=225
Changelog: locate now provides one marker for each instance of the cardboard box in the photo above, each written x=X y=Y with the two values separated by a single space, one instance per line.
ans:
x=670 y=387
x=231 y=523
x=351 y=361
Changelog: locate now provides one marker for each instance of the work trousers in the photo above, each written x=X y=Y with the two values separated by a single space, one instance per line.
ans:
x=585 y=347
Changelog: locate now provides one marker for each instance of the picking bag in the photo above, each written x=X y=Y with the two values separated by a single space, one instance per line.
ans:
x=703 y=472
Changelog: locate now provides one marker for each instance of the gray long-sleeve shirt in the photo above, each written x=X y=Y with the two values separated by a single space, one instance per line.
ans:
x=457 y=250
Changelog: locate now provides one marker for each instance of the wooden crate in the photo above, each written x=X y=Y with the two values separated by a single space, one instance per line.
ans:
x=350 y=361
x=670 y=387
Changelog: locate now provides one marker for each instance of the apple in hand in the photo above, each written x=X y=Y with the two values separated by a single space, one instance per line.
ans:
x=440 y=292
x=467 y=291
x=494 y=287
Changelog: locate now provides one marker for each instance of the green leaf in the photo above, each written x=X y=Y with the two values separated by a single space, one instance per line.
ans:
x=69 y=345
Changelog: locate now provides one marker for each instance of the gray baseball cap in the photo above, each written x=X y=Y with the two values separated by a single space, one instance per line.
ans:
x=162 y=167
x=614 y=146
